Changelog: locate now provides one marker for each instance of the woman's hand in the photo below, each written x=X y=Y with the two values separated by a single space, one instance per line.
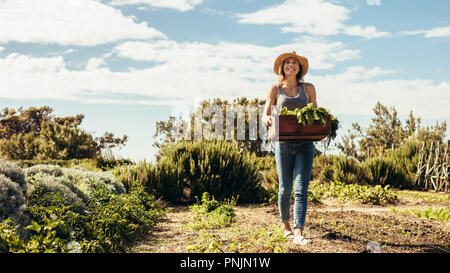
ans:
x=267 y=120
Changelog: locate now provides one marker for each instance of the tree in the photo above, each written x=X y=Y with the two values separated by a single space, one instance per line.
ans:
x=165 y=129
x=35 y=133
x=386 y=132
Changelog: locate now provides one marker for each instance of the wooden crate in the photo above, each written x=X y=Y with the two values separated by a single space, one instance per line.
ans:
x=286 y=128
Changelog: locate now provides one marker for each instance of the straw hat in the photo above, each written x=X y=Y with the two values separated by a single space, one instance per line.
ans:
x=301 y=60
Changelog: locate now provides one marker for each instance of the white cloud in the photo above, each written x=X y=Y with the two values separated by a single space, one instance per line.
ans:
x=181 y=5
x=366 y=32
x=94 y=63
x=374 y=2
x=182 y=71
x=431 y=33
x=1 y=48
x=66 y=22
x=310 y=16
x=357 y=90
x=177 y=82
x=321 y=53
x=186 y=72
x=315 y=17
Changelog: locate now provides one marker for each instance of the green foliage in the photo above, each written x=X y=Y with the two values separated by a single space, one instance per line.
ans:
x=35 y=134
x=100 y=219
x=393 y=169
x=309 y=114
x=384 y=171
x=138 y=173
x=81 y=178
x=43 y=188
x=430 y=213
x=50 y=227
x=257 y=241
x=85 y=163
x=86 y=180
x=107 y=161
x=164 y=129
x=428 y=196
x=116 y=222
x=376 y=195
x=270 y=183
x=44 y=239
x=9 y=240
x=271 y=241
x=188 y=169
x=210 y=213
x=338 y=168
x=386 y=132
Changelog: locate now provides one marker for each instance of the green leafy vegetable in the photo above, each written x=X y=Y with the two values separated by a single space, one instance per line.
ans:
x=308 y=114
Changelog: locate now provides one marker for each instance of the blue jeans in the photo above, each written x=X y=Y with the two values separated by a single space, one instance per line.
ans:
x=294 y=158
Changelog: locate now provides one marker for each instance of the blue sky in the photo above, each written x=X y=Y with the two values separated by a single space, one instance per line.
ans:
x=127 y=64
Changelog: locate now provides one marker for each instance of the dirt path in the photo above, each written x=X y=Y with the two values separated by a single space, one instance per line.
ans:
x=332 y=227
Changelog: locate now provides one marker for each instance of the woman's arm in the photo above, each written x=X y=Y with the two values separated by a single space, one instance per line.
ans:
x=270 y=100
x=311 y=93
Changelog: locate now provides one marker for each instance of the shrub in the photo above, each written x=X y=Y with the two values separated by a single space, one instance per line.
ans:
x=270 y=183
x=86 y=163
x=13 y=172
x=116 y=222
x=130 y=174
x=339 y=168
x=210 y=213
x=108 y=161
x=187 y=169
x=44 y=184
x=383 y=171
x=218 y=167
x=85 y=180
x=12 y=201
x=53 y=170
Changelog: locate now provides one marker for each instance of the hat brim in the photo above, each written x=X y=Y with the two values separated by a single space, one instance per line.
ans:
x=302 y=61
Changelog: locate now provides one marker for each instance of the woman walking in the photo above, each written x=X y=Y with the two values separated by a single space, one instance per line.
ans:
x=292 y=158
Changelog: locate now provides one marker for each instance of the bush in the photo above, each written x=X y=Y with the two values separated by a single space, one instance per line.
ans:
x=44 y=184
x=130 y=174
x=13 y=172
x=86 y=163
x=86 y=180
x=383 y=171
x=270 y=183
x=12 y=201
x=187 y=169
x=78 y=176
x=339 y=168
x=217 y=167
x=210 y=213
x=111 y=223
x=116 y=222
x=108 y=161
x=53 y=170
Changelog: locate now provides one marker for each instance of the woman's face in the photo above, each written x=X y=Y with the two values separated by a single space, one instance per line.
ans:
x=291 y=66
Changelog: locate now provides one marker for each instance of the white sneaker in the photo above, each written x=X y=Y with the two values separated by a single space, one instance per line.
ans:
x=300 y=240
